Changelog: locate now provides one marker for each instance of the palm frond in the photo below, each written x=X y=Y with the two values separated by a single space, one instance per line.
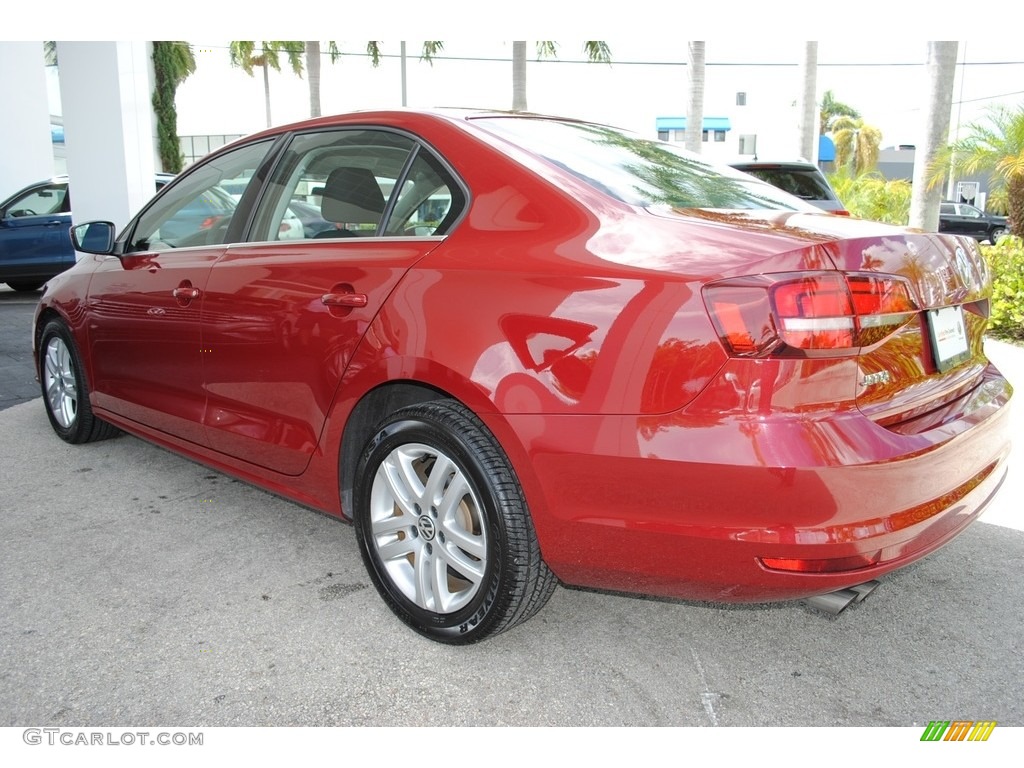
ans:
x=373 y=51
x=430 y=49
x=547 y=49
x=598 y=51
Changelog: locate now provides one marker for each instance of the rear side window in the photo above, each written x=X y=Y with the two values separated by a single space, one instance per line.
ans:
x=428 y=202
x=355 y=182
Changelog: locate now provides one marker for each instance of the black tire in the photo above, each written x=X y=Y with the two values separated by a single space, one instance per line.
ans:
x=65 y=389
x=25 y=286
x=443 y=527
x=996 y=234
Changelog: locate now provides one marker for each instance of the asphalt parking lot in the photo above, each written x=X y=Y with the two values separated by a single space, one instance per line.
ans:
x=140 y=588
x=17 y=382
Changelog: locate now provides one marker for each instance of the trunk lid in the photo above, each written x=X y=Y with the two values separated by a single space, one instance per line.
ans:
x=913 y=378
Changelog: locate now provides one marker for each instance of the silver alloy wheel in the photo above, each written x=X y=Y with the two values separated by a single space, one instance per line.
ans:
x=60 y=383
x=428 y=528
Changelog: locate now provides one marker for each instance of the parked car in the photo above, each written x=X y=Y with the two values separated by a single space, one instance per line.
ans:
x=34 y=240
x=799 y=178
x=964 y=219
x=534 y=350
x=35 y=243
x=309 y=216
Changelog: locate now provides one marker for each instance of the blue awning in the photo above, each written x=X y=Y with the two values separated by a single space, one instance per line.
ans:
x=679 y=124
x=826 y=149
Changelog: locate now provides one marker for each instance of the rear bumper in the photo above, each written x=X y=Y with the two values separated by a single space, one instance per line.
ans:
x=703 y=509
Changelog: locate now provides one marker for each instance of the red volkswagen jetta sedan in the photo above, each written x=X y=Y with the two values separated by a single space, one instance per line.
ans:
x=519 y=350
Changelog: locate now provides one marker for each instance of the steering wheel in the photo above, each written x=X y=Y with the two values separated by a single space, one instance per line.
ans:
x=24 y=212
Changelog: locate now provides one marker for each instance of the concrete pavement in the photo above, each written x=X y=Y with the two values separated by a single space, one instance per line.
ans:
x=139 y=588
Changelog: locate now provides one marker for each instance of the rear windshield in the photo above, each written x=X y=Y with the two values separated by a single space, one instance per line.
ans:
x=636 y=170
x=806 y=184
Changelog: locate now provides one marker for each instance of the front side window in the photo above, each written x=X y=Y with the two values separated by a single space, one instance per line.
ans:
x=42 y=201
x=198 y=210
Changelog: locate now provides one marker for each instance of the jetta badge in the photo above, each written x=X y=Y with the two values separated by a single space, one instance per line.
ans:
x=879 y=377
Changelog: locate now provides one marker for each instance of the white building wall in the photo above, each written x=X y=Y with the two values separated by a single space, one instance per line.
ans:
x=770 y=112
x=26 y=149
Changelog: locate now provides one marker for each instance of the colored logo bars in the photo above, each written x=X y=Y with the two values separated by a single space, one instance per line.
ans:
x=958 y=730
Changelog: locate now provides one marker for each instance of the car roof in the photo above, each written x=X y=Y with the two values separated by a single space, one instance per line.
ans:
x=451 y=114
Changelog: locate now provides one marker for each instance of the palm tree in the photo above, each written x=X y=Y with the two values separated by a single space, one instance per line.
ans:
x=313 y=68
x=941 y=68
x=695 y=105
x=373 y=49
x=595 y=50
x=856 y=143
x=247 y=55
x=808 y=132
x=831 y=109
x=173 y=62
x=430 y=49
x=996 y=146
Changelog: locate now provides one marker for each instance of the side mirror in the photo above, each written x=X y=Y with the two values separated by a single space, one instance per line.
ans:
x=94 y=237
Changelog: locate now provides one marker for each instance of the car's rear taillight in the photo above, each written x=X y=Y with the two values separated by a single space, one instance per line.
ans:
x=821 y=311
x=840 y=212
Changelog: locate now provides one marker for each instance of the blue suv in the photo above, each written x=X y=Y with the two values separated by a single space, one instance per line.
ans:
x=35 y=240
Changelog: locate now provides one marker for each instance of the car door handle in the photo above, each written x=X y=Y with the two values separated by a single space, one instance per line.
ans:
x=54 y=223
x=344 y=299
x=185 y=293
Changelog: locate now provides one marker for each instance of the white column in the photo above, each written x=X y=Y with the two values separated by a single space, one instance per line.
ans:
x=106 y=92
x=26 y=148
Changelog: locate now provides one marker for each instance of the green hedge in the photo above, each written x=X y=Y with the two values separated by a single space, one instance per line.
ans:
x=1006 y=261
x=871 y=196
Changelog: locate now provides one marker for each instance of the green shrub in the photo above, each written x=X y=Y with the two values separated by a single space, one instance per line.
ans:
x=872 y=196
x=1006 y=261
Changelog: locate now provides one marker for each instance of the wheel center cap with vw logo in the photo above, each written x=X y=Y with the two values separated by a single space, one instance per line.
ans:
x=426 y=527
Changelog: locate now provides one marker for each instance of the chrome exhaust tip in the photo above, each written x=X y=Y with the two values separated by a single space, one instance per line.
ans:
x=835 y=603
x=865 y=589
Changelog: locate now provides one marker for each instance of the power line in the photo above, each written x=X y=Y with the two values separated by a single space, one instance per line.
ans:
x=616 y=62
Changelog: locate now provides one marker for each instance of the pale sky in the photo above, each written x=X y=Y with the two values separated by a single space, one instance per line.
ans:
x=882 y=43
x=644 y=81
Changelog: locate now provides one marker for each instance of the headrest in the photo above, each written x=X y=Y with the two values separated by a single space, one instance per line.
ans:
x=352 y=196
